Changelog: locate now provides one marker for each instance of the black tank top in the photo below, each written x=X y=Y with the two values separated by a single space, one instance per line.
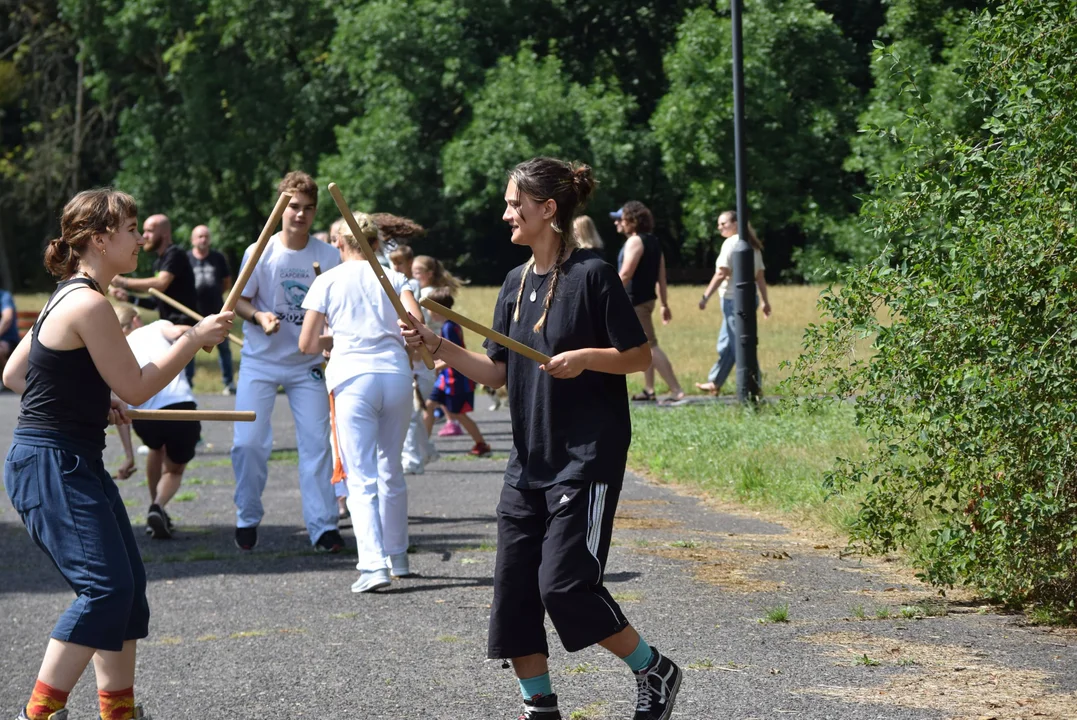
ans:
x=64 y=392
x=641 y=287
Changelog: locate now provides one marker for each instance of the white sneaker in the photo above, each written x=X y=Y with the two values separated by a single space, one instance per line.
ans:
x=410 y=469
x=433 y=456
x=496 y=404
x=399 y=565
x=372 y=580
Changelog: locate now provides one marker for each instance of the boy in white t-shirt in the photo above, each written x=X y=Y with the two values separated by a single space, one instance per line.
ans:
x=171 y=442
x=272 y=308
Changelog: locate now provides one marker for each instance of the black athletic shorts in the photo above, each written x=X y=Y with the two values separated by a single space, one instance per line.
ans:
x=552 y=545
x=178 y=437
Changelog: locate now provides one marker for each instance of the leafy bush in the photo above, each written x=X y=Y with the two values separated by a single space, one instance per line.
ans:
x=968 y=397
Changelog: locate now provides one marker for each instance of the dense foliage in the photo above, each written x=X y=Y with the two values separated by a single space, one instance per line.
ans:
x=968 y=397
x=198 y=106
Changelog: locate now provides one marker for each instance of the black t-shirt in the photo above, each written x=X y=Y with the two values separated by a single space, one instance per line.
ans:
x=174 y=260
x=566 y=430
x=209 y=275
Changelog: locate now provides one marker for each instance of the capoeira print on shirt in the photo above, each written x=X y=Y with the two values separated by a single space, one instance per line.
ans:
x=290 y=308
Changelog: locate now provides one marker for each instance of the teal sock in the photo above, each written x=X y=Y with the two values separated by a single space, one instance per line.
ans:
x=640 y=657
x=536 y=686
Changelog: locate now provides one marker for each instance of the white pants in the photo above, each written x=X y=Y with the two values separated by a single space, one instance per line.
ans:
x=252 y=442
x=372 y=419
x=417 y=445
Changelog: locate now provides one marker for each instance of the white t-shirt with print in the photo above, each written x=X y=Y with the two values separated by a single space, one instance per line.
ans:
x=279 y=284
x=149 y=344
x=366 y=338
x=725 y=260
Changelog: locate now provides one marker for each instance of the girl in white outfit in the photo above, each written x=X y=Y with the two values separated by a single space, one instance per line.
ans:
x=369 y=375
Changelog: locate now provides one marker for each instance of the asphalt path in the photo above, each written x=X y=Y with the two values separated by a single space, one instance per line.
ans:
x=277 y=634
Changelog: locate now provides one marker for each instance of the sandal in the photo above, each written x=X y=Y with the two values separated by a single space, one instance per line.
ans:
x=644 y=396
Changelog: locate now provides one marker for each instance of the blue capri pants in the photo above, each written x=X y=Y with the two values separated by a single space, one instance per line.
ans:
x=73 y=511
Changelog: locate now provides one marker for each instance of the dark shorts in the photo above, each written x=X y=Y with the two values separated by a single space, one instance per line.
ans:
x=552 y=545
x=456 y=403
x=177 y=437
x=74 y=513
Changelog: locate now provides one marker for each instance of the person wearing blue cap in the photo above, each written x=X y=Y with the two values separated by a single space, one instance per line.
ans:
x=642 y=268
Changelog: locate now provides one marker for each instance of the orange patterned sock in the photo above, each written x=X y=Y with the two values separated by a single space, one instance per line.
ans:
x=44 y=701
x=117 y=704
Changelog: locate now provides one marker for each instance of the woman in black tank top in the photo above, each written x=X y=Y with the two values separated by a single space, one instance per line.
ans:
x=68 y=369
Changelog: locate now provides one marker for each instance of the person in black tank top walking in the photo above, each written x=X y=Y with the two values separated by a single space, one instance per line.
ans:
x=571 y=430
x=642 y=268
x=67 y=368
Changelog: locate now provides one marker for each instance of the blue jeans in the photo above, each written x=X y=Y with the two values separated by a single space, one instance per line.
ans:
x=224 y=357
x=73 y=511
x=727 y=349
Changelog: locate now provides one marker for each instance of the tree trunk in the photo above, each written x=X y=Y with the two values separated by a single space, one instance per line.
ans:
x=76 y=145
x=6 y=280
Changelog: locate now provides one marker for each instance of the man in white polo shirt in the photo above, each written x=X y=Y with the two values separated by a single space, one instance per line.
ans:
x=272 y=308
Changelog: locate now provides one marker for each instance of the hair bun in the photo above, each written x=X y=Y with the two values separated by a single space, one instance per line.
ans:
x=583 y=179
x=60 y=260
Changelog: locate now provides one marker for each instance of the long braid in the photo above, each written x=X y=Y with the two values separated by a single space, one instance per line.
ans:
x=520 y=292
x=553 y=286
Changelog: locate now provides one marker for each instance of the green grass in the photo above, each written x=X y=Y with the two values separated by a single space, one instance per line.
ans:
x=772 y=458
x=776 y=614
x=858 y=612
x=882 y=613
x=186 y=496
x=688 y=340
x=589 y=712
x=866 y=661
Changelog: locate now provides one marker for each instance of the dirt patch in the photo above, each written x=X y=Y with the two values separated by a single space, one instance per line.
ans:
x=730 y=570
x=643 y=503
x=944 y=677
x=629 y=521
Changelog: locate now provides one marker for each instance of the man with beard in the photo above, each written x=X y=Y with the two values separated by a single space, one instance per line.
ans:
x=172 y=275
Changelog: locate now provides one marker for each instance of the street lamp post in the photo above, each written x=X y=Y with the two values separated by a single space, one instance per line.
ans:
x=744 y=297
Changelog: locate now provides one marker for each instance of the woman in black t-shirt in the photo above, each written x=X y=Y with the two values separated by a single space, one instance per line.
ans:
x=571 y=431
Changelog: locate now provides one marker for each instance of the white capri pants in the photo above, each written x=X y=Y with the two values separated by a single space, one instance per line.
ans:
x=373 y=411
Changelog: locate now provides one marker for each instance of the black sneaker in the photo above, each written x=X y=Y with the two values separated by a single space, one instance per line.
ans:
x=330 y=541
x=541 y=707
x=168 y=519
x=246 y=538
x=157 y=522
x=657 y=686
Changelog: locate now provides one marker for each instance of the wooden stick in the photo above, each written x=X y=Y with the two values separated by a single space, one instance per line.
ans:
x=187 y=311
x=317 y=268
x=259 y=247
x=202 y=415
x=368 y=253
x=488 y=333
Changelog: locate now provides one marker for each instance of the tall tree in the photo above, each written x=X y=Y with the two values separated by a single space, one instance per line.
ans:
x=528 y=107
x=221 y=97
x=800 y=110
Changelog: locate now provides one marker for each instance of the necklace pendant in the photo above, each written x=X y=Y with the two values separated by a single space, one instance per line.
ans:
x=534 y=296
